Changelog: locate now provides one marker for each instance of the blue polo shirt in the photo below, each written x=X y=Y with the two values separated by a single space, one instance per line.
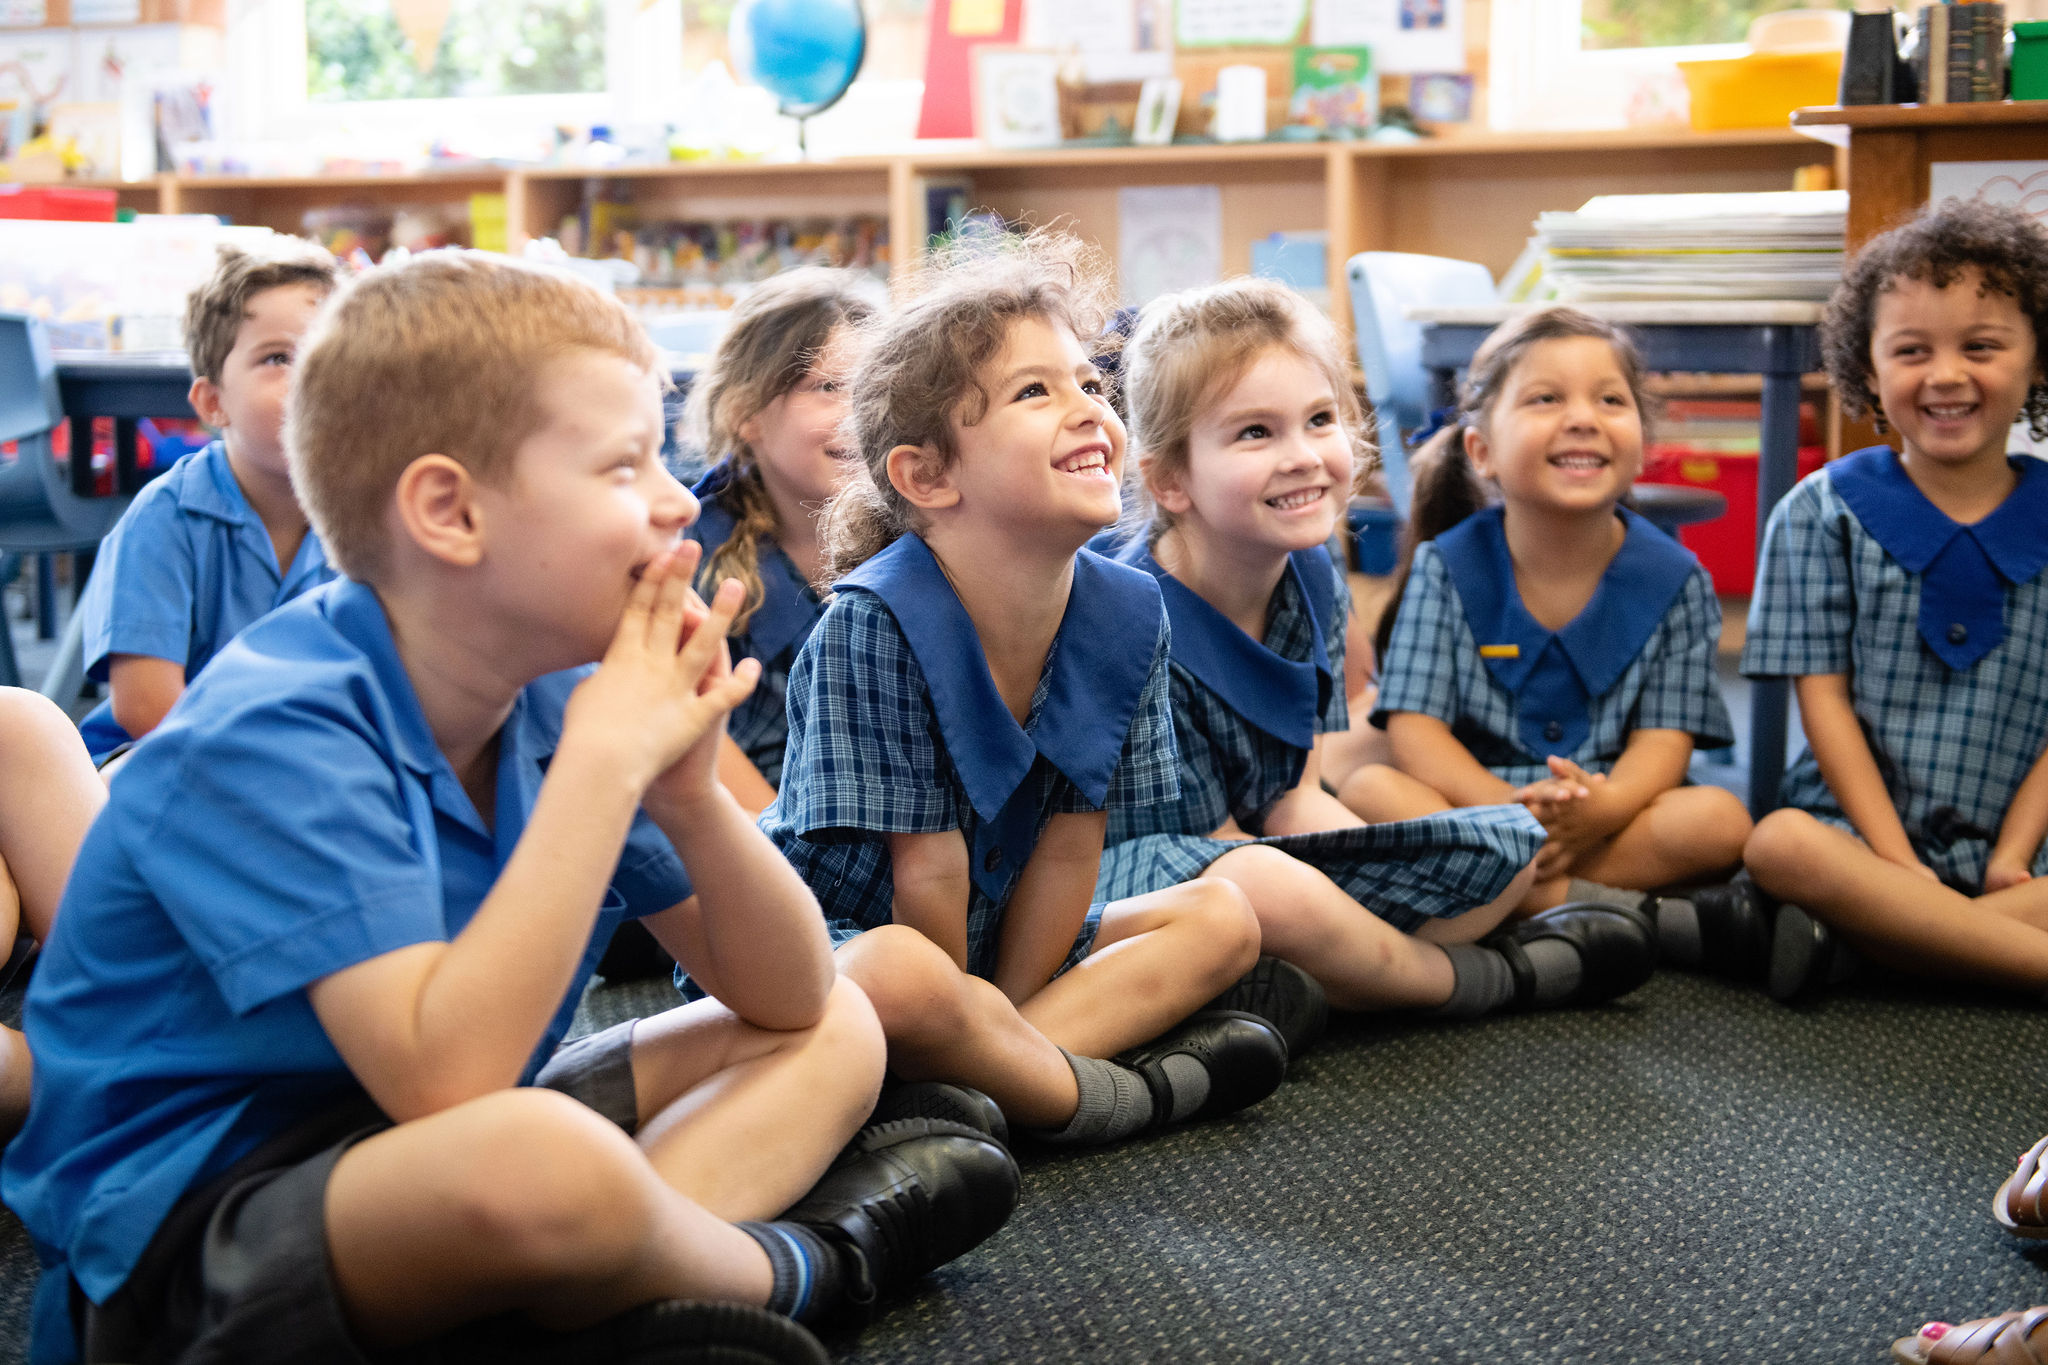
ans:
x=187 y=566
x=293 y=817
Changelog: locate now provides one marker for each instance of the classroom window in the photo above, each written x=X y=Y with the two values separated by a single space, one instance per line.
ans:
x=356 y=50
x=1606 y=25
x=896 y=37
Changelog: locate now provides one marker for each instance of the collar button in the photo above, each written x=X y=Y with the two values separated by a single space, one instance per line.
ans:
x=1958 y=634
x=1553 y=731
x=993 y=860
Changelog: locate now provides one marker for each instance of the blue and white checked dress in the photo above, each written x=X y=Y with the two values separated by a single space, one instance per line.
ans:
x=1246 y=714
x=1640 y=656
x=1859 y=570
x=776 y=631
x=895 y=726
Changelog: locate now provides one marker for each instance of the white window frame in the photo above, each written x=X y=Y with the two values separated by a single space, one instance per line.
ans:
x=1540 y=78
x=268 y=101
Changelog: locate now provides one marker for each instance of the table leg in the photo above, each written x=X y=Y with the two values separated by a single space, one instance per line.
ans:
x=1770 y=700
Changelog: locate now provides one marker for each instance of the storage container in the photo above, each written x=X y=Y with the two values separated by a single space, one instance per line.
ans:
x=1760 y=90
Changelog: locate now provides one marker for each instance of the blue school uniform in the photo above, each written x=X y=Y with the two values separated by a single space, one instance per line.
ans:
x=789 y=608
x=1639 y=656
x=293 y=818
x=895 y=726
x=1246 y=713
x=1943 y=631
x=187 y=566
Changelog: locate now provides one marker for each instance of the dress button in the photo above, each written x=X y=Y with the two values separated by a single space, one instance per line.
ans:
x=993 y=861
x=1958 y=633
x=1554 y=731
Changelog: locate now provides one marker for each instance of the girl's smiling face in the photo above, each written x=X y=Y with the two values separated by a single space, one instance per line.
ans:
x=1565 y=434
x=1952 y=368
x=1269 y=459
x=795 y=439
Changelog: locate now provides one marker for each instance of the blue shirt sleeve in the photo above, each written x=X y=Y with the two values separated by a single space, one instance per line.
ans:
x=864 y=750
x=281 y=846
x=1417 y=673
x=1803 y=612
x=141 y=596
x=1680 y=689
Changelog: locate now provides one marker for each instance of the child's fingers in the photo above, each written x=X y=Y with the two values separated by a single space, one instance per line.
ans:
x=734 y=688
x=632 y=627
x=665 y=621
x=706 y=641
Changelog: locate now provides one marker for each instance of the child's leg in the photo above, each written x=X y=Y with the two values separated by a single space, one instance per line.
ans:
x=48 y=796
x=1684 y=834
x=527 y=1199
x=1380 y=793
x=1897 y=917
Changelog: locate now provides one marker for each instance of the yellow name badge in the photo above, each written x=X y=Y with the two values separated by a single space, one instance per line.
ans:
x=1500 y=651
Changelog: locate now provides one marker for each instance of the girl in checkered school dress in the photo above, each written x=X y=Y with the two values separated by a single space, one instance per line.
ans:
x=978 y=698
x=1554 y=649
x=1250 y=438
x=1901 y=589
x=769 y=406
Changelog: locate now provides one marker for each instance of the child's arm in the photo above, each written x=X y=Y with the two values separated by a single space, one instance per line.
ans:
x=932 y=884
x=145 y=688
x=1846 y=764
x=1050 y=903
x=1651 y=763
x=740 y=777
x=1426 y=750
x=2021 y=832
x=435 y=1024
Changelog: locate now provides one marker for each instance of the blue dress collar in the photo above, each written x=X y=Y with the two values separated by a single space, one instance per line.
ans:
x=1095 y=677
x=1281 y=696
x=1964 y=570
x=789 y=607
x=1555 y=675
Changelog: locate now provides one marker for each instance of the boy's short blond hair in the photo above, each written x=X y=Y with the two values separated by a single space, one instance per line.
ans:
x=438 y=355
x=214 y=311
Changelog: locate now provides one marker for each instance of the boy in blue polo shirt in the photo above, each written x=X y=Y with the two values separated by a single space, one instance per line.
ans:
x=220 y=538
x=297 y=1093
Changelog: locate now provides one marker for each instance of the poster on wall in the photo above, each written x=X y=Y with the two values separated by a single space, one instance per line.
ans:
x=1238 y=23
x=1169 y=237
x=1405 y=35
x=2023 y=184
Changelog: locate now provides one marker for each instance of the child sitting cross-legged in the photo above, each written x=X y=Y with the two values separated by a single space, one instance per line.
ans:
x=220 y=538
x=297 y=1093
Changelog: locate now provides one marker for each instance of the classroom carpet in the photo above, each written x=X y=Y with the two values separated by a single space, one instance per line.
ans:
x=1692 y=1174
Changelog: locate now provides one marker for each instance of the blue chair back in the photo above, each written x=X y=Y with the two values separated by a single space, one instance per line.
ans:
x=38 y=510
x=1384 y=284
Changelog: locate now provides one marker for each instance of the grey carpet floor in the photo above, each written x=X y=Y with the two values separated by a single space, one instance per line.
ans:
x=1696 y=1174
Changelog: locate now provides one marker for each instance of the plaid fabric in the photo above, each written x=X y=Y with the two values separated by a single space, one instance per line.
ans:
x=866 y=758
x=760 y=725
x=1952 y=747
x=1433 y=667
x=1228 y=766
x=1406 y=872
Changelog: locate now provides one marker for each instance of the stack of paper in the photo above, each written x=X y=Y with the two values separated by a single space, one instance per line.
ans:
x=1777 y=245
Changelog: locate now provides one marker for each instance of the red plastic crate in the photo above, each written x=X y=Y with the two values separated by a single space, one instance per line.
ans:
x=1726 y=545
x=60 y=202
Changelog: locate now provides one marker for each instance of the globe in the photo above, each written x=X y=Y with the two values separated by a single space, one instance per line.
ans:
x=804 y=52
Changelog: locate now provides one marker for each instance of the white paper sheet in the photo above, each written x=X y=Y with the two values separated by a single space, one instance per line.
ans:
x=1404 y=35
x=1236 y=23
x=2023 y=184
x=1107 y=26
x=1168 y=237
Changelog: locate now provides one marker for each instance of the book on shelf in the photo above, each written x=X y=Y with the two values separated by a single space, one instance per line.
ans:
x=1961 y=52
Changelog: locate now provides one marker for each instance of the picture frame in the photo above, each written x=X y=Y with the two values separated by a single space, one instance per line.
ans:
x=1016 y=97
x=1158 y=111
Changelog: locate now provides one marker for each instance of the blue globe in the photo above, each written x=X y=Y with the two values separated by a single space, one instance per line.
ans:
x=805 y=52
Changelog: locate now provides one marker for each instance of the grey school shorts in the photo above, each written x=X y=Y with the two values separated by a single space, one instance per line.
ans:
x=238 y=1272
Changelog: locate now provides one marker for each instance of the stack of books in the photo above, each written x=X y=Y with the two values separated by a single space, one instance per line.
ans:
x=1776 y=245
x=1959 y=56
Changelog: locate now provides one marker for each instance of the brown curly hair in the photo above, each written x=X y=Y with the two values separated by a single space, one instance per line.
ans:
x=2007 y=249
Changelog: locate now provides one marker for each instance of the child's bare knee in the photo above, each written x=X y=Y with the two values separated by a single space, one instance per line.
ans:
x=552 y=1186
x=851 y=1030
x=1221 y=917
x=1368 y=788
x=1778 y=845
x=916 y=989
x=1724 y=826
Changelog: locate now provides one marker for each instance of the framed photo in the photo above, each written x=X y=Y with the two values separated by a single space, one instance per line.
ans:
x=1158 y=111
x=1016 y=97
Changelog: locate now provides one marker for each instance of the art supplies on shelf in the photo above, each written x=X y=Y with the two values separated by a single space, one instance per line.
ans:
x=1772 y=245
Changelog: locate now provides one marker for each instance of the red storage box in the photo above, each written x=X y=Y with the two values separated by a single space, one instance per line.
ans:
x=1726 y=545
x=60 y=202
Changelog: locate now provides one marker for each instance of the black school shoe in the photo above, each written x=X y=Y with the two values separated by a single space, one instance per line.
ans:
x=1806 y=957
x=665 y=1332
x=961 y=1104
x=906 y=1197
x=1284 y=996
x=1617 y=951
x=1244 y=1056
x=1735 y=929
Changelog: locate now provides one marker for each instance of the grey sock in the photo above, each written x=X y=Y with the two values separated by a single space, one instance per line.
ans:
x=1557 y=968
x=1190 y=1082
x=1115 y=1102
x=1480 y=982
x=1678 y=932
x=1579 y=889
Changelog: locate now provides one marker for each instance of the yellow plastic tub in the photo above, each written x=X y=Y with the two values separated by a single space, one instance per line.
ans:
x=1762 y=89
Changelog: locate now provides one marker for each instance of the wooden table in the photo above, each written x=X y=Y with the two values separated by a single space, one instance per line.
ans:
x=1777 y=340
